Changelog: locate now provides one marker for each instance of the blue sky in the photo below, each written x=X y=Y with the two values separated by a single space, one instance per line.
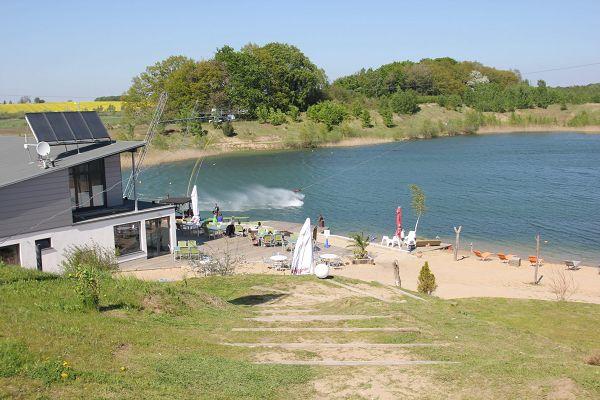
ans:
x=78 y=49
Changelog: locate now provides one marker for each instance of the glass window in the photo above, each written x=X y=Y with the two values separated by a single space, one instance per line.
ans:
x=158 y=237
x=127 y=238
x=87 y=184
x=10 y=254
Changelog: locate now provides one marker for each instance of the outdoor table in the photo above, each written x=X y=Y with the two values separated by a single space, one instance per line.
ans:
x=278 y=260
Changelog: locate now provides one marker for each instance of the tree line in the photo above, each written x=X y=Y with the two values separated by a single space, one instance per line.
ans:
x=275 y=82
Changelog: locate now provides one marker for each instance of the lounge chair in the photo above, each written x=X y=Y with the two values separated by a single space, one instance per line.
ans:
x=386 y=241
x=483 y=256
x=267 y=240
x=278 y=239
x=505 y=257
x=533 y=260
x=573 y=265
x=239 y=230
x=396 y=241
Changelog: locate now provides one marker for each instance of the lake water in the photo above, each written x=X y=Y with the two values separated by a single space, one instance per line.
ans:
x=502 y=189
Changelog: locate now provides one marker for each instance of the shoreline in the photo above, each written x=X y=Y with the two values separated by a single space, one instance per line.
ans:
x=157 y=157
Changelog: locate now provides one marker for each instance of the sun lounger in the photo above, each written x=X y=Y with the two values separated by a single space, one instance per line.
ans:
x=278 y=239
x=533 y=260
x=386 y=241
x=505 y=257
x=396 y=241
x=573 y=265
x=267 y=240
x=483 y=256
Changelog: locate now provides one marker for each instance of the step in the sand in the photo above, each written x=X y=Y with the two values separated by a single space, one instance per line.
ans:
x=356 y=363
x=287 y=311
x=365 y=293
x=267 y=289
x=405 y=293
x=316 y=329
x=308 y=318
x=352 y=345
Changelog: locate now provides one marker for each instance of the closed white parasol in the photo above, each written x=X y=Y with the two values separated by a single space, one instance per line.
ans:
x=195 y=210
x=302 y=261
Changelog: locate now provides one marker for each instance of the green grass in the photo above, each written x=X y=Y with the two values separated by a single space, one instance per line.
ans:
x=157 y=340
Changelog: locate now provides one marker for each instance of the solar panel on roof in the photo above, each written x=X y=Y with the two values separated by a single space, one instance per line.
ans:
x=95 y=124
x=67 y=127
x=78 y=125
x=40 y=127
x=60 y=127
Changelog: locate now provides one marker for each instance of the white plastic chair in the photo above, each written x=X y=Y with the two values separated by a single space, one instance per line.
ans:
x=411 y=239
x=396 y=241
x=386 y=241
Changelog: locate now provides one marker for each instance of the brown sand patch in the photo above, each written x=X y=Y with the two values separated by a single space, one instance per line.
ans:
x=378 y=383
x=563 y=389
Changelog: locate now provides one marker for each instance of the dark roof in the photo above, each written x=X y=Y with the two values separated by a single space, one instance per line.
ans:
x=15 y=165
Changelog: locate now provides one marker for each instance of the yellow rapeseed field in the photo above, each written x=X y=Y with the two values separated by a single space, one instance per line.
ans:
x=61 y=106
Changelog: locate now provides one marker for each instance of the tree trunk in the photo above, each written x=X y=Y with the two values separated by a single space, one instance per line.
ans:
x=397 y=274
x=457 y=242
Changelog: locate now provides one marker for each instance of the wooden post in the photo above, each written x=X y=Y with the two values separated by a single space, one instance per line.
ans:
x=397 y=274
x=457 y=242
x=537 y=258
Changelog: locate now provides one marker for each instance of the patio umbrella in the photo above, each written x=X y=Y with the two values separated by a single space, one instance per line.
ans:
x=302 y=260
x=195 y=210
x=398 y=221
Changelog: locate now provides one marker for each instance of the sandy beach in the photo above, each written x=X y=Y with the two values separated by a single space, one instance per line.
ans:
x=468 y=277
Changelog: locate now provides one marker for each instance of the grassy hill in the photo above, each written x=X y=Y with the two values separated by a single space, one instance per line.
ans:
x=157 y=340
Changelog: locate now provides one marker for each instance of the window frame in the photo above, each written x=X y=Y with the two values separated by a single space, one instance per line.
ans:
x=139 y=238
x=75 y=179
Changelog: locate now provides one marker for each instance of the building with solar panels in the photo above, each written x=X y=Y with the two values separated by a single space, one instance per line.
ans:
x=66 y=189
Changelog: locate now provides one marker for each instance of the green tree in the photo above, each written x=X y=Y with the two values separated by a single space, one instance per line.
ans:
x=294 y=113
x=359 y=242
x=328 y=112
x=262 y=113
x=426 y=282
x=365 y=118
x=417 y=202
x=404 y=102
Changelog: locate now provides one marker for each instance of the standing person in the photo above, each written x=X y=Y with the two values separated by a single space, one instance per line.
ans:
x=216 y=210
x=321 y=221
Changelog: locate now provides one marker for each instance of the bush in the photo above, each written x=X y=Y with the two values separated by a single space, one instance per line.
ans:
x=563 y=106
x=262 y=113
x=86 y=265
x=328 y=112
x=227 y=128
x=426 y=280
x=404 y=102
x=387 y=116
x=277 y=117
x=365 y=118
x=294 y=113
x=594 y=359
x=450 y=102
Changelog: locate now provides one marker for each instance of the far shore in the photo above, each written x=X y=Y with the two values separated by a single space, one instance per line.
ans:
x=155 y=157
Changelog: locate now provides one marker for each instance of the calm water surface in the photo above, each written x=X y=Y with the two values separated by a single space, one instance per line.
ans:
x=501 y=188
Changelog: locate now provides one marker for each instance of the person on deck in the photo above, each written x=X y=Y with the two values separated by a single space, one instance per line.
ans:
x=216 y=210
x=321 y=221
x=230 y=230
x=219 y=217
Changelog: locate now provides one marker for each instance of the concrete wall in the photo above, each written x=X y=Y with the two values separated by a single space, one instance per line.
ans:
x=99 y=231
x=28 y=206
x=112 y=171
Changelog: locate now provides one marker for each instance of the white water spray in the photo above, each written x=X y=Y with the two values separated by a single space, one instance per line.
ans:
x=255 y=197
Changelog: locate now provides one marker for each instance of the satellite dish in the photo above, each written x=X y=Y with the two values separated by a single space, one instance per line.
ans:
x=43 y=149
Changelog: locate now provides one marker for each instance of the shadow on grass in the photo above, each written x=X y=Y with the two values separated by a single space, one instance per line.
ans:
x=112 y=307
x=256 y=299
